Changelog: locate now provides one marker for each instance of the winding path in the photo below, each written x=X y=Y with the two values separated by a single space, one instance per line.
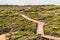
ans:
x=40 y=24
x=39 y=29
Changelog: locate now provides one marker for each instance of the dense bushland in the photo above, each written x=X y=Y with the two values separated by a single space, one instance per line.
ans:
x=22 y=29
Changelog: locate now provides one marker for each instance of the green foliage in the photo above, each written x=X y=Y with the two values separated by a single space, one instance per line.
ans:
x=1 y=14
x=20 y=35
x=49 y=14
